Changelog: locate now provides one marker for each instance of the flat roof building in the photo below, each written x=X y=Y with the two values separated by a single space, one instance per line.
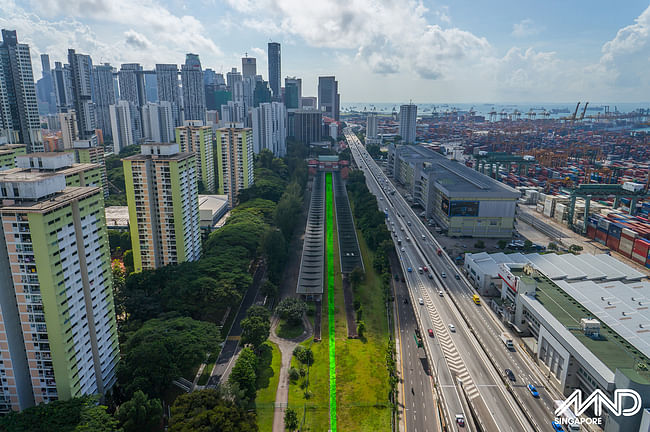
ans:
x=462 y=201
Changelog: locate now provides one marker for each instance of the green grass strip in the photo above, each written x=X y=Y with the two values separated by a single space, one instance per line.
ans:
x=330 y=300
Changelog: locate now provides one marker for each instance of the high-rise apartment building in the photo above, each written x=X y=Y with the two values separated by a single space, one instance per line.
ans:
x=233 y=112
x=124 y=116
x=168 y=90
x=19 y=120
x=59 y=332
x=62 y=81
x=248 y=66
x=103 y=96
x=193 y=89
x=234 y=161
x=231 y=78
x=270 y=128
x=275 y=70
x=8 y=153
x=371 y=126
x=76 y=174
x=81 y=67
x=69 y=128
x=131 y=80
x=292 y=92
x=408 y=115
x=328 y=97
x=158 y=122
x=308 y=126
x=163 y=199
x=89 y=152
x=197 y=139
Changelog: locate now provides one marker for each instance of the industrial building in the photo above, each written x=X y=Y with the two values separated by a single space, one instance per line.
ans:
x=462 y=201
x=587 y=317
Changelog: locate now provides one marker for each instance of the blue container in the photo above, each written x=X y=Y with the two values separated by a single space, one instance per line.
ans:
x=615 y=230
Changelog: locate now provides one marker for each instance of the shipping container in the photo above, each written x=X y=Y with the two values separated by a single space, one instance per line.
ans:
x=591 y=232
x=612 y=242
x=625 y=246
x=615 y=230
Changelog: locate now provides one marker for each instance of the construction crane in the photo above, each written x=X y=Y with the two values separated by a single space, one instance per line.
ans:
x=573 y=117
x=531 y=114
x=493 y=115
x=582 y=116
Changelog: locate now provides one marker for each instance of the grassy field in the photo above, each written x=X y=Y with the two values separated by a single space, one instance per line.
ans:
x=268 y=375
x=288 y=331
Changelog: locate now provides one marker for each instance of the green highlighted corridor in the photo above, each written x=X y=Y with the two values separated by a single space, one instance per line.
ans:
x=330 y=298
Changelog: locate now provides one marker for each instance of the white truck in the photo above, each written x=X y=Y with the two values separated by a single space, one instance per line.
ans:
x=506 y=338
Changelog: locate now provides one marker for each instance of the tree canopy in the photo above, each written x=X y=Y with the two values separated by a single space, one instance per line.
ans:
x=207 y=411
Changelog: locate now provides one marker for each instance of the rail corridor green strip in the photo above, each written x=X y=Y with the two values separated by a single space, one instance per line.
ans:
x=330 y=299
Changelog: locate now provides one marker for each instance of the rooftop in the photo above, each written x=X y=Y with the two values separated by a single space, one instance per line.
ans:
x=455 y=179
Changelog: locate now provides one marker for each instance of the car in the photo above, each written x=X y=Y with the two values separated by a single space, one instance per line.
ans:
x=420 y=270
x=557 y=427
x=452 y=328
x=429 y=275
x=408 y=223
x=408 y=239
x=406 y=301
x=409 y=269
x=381 y=198
x=440 y=293
x=425 y=268
x=443 y=274
x=533 y=390
x=403 y=250
x=510 y=375
x=430 y=332
x=457 y=276
x=424 y=237
x=460 y=420
x=401 y=228
x=421 y=301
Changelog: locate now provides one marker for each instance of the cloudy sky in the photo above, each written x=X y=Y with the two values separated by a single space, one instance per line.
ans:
x=380 y=50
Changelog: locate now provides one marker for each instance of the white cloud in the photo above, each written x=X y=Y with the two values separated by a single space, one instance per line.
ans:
x=525 y=28
x=443 y=15
x=386 y=36
x=137 y=40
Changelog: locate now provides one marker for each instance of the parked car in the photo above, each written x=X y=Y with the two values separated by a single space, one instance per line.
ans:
x=533 y=390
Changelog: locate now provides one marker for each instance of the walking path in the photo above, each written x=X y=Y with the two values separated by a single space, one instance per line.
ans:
x=286 y=347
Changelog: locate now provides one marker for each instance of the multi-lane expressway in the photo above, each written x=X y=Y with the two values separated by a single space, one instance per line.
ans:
x=468 y=362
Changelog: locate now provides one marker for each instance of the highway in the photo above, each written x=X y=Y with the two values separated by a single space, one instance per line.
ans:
x=474 y=353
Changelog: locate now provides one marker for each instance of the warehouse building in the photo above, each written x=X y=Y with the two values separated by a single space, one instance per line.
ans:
x=462 y=201
x=587 y=317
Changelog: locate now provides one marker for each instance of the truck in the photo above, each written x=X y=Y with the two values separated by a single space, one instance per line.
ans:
x=476 y=299
x=506 y=338
x=439 y=252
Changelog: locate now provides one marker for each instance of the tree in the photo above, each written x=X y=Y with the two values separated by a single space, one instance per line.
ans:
x=291 y=310
x=479 y=244
x=290 y=419
x=244 y=373
x=95 y=419
x=305 y=356
x=361 y=328
x=528 y=244
x=208 y=411
x=275 y=250
x=163 y=350
x=269 y=289
x=258 y=311
x=357 y=276
x=255 y=331
x=575 y=249
x=140 y=414
x=502 y=244
x=552 y=246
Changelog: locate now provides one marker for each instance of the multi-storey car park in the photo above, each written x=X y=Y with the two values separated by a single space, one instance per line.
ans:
x=585 y=318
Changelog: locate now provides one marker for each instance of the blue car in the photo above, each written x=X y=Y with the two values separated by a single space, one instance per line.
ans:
x=533 y=390
x=557 y=427
x=409 y=269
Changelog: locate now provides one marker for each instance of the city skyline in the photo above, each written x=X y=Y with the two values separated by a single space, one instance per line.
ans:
x=448 y=53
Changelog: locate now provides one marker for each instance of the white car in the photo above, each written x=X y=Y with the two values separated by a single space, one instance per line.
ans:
x=440 y=293
x=421 y=301
x=452 y=328
x=403 y=250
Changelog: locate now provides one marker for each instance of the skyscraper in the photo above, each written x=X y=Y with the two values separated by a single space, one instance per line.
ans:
x=275 y=69
x=270 y=128
x=163 y=199
x=262 y=93
x=234 y=161
x=45 y=88
x=308 y=126
x=168 y=90
x=19 y=121
x=158 y=122
x=132 y=88
x=103 y=96
x=81 y=67
x=197 y=139
x=231 y=78
x=371 y=126
x=59 y=329
x=328 y=97
x=248 y=66
x=193 y=90
x=292 y=92
x=408 y=115
x=233 y=112
x=62 y=81
x=123 y=124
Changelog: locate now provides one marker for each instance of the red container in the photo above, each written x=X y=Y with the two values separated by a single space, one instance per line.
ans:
x=602 y=236
x=612 y=242
x=591 y=232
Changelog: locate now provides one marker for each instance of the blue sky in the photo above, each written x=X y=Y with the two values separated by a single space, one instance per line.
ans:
x=380 y=50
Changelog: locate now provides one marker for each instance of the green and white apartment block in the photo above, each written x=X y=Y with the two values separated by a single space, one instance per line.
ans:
x=89 y=152
x=234 y=161
x=162 y=195
x=465 y=203
x=8 y=153
x=197 y=139
x=58 y=337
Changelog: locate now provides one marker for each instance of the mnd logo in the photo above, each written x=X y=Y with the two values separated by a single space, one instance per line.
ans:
x=599 y=400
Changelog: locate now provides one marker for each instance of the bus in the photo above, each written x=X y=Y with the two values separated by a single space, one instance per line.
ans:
x=568 y=419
